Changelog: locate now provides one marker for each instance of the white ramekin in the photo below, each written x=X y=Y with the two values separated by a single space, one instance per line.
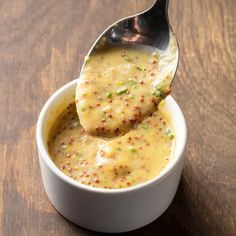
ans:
x=107 y=210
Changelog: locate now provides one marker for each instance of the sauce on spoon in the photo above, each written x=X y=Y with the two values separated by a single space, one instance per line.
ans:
x=120 y=86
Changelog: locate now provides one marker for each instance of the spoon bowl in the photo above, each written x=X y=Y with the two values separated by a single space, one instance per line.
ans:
x=148 y=28
x=149 y=32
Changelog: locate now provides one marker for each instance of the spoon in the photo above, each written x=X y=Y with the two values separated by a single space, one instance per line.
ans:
x=148 y=29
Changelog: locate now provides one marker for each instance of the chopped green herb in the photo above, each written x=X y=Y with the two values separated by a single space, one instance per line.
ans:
x=131 y=82
x=109 y=95
x=121 y=90
x=159 y=90
x=162 y=94
x=128 y=59
x=170 y=134
x=160 y=85
x=119 y=149
x=132 y=149
x=145 y=126
x=139 y=68
x=155 y=93
x=158 y=93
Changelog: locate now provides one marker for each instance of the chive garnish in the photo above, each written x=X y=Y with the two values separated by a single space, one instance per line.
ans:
x=131 y=82
x=132 y=149
x=159 y=90
x=160 y=85
x=158 y=93
x=170 y=134
x=121 y=90
x=109 y=95
x=128 y=59
x=145 y=126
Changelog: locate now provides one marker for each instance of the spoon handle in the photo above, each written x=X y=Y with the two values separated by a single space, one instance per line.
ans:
x=161 y=6
x=158 y=13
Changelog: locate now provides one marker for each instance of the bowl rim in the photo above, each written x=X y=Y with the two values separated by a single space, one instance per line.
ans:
x=46 y=158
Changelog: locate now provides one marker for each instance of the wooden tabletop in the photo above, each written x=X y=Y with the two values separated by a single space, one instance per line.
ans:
x=42 y=46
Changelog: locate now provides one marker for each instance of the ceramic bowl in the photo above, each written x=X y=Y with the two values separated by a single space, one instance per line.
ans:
x=108 y=210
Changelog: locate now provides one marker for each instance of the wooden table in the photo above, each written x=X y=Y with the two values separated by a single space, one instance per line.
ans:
x=42 y=46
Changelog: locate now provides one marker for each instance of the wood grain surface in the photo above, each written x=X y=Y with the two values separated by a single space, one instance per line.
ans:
x=42 y=46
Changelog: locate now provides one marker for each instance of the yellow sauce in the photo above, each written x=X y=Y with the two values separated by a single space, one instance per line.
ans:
x=117 y=97
x=118 y=89
x=128 y=160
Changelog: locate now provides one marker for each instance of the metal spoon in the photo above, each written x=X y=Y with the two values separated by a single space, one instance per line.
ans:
x=149 y=30
x=150 y=27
